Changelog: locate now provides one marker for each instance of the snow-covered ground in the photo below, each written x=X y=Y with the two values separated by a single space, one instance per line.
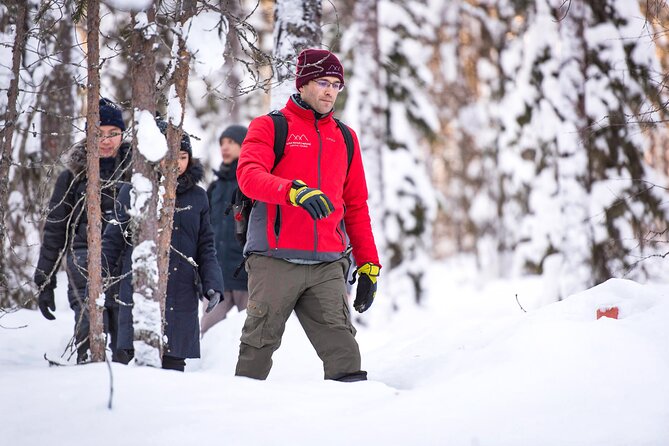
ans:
x=467 y=368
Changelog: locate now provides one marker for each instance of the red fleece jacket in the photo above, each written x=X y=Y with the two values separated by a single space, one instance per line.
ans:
x=315 y=152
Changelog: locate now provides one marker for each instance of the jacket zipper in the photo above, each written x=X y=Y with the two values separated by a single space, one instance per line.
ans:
x=277 y=225
x=320 y=150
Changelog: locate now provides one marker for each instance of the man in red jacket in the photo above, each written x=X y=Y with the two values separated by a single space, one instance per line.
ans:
x=306 y=211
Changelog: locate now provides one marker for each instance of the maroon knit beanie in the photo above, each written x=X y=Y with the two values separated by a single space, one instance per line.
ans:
x=313 y=63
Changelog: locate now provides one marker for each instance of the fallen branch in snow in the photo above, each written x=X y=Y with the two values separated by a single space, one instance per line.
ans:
x=518 y=302
x=111 y=381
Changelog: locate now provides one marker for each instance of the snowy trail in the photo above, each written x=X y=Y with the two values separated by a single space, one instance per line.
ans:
x=470 y=367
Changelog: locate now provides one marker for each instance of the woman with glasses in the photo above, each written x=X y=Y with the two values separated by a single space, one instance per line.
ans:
x=66 y=225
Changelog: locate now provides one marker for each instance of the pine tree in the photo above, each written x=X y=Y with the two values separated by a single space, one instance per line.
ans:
x=148 y=308
x=575 y=198
x=396 y=120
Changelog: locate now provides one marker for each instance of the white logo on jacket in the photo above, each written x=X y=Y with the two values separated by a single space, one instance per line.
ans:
x=298 y=141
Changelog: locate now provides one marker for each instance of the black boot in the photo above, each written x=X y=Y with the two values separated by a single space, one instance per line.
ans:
x=174 y=363
x=123 y=356
x=82 y=355
x=353 y=377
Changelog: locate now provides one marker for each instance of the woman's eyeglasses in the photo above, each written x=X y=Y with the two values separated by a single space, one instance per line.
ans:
x=110 y=135
x=323 y=84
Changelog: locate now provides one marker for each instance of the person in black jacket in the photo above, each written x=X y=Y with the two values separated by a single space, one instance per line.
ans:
x=192 y=238
x=221 y=194
x=66 y=225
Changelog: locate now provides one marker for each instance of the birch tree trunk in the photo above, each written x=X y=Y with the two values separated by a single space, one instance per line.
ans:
x=292 y=33
x=6 y=146
x=94 y=228
x=148 y=308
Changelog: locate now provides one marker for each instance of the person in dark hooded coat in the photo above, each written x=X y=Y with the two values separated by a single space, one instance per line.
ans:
x=66 y=226
x=192 y=238
x=221 y=193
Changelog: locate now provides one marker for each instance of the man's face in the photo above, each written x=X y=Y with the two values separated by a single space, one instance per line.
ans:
x=109 y=141
x=230 y=150
x=321 y=97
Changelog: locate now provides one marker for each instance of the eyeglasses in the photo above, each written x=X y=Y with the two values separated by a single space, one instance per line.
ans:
x=111 y=135
x=323 y=84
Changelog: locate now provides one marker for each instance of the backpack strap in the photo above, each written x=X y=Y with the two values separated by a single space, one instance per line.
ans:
x=280 y=134
x=348 y=139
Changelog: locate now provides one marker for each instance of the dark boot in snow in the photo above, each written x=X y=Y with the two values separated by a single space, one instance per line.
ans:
x=353 y=377
x=82 y=356
x=123 y=356
x=174 y=363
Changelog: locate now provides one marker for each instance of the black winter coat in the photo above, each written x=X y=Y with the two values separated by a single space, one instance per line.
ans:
x=193 y=237
x=67 y=221
x=221 y=194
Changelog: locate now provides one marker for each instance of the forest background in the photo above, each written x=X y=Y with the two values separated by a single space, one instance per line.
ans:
x=528 y=134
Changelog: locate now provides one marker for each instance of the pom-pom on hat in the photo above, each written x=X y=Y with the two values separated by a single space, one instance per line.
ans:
x=314 y=63
x=237 y=133
x=110 y=114
x=185 y=139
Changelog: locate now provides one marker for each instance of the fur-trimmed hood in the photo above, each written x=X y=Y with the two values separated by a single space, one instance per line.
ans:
x=193 y=175
x=76 y=160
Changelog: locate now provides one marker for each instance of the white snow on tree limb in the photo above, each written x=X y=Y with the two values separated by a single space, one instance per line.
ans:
x=174 y=110
x=142 y=188
x=129 y=5
x=150 y=141
x=149 y=29
x=205 y=36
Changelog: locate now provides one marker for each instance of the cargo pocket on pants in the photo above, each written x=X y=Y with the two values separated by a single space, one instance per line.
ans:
x=256 y=319
x=347 y=316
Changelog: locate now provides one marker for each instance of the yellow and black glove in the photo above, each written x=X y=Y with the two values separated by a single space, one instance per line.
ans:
x=364 y=295
x=314 y=201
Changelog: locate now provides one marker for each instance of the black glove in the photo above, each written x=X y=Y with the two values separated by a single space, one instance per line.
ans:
x=214 y=298
x=314 y=201
x=364 y=295
x=46 y=302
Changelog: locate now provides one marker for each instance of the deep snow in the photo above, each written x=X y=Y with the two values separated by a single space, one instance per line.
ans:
x=469 y=367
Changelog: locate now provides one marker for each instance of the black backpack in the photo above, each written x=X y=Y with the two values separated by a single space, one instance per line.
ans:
x=241 y=205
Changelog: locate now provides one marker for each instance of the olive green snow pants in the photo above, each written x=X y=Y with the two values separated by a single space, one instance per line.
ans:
x=317 y=293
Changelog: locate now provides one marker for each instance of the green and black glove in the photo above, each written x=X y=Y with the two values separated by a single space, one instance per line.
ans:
x=314 y=201
x=364 y=295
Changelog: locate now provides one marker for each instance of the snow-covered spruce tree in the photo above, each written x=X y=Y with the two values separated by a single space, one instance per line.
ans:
x=388 y=104
x=575 y=198
x=297 y=25
x=462 y=69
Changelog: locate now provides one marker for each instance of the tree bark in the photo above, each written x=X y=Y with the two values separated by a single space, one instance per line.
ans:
x=148 y=307
x=174 y=134
x=56 y=94
x=94 y=228
x=6 y=146
x=231 y=11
